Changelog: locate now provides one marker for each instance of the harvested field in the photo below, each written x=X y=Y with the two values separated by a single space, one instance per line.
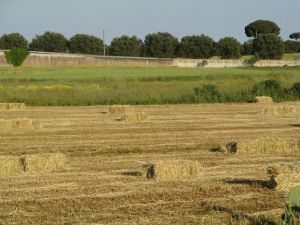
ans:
x=133 y=117
x=278 y=110
x=120 y=109
x=99 y=186
x=12 y=106
x=10 y=166
x=19 y=124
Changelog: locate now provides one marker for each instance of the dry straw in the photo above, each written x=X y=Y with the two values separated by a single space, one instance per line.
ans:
x=10 y=166
x=278 y=110
x=120 y=109
x=173 y=170
x=40 y=163
x=19 y=124
x=263 y=100
x=267 y=146
x=12 y=106
x=284 y=177
x=132 y=117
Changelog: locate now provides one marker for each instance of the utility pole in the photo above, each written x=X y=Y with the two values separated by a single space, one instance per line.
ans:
x=103 y=36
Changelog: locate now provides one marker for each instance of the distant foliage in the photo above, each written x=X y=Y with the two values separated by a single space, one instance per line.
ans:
x=49 y=42
x=86 y=44
x=196 y=47
x=295 y=36
x=268 y=46
x=247 y=48
x=126 y=46
x=261 y=27
x=229 y=48
x=161 y=45
x=14 y=40
x=16 y=56
x=292 y=46
x=296 y=88
x=1 y=43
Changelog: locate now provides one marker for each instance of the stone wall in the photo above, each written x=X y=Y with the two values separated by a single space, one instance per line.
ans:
x=41 y=59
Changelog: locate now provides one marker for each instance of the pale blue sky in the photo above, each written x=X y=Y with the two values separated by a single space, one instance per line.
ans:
x=216 y=18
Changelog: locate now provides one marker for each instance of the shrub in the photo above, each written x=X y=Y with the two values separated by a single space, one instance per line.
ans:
x=86 y=44
x=208 y=93
x=296 y=88
x=49 y=42
x=261 y=27
x=126 y=46
x=268 y=46
x=161 y=45
x=16 y=56
x=229 y=48
x=270 y=88
x=14 y=40
x=200 y=47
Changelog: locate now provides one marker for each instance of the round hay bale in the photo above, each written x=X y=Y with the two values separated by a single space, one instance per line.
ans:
x=263 y=100
x=10 y=166
x=173 y=170
x=41 y=163
x=284 y=177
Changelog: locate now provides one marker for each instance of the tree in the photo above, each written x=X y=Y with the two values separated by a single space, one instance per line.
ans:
x=292 y=46
x=126 y=46
x=268 y=46
x=1 y=43
x=49 y=42
x=196 y=47
x=16 y=56
x=295 y=36
x=14 y=40
x=86 y=44
x=161 y=45
x=229 y=48
x=261 y=27
x=247 y=48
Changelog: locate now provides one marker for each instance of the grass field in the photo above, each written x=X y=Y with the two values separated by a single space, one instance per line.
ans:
x=100 y=186
x=101 y=86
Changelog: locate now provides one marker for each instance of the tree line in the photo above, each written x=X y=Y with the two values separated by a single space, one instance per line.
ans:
x=264 y=43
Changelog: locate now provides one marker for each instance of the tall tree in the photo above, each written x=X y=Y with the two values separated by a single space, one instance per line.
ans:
x=126 y=46
x=268 y=46
x=295 y=36
x=196 y=47
x=1 y=43
x=86 y=44
x=261 y=27
x=229 y=48
x=14 y=40
x=49 y=42
x=161 y=45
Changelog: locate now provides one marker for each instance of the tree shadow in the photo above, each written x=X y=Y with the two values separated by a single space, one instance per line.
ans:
x=252 y=182
x=295 y=125
x=132 y=174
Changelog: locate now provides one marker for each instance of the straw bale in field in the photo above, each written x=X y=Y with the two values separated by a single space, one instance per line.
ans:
x=267 y=146
x=173 y=170
x=39 y=163
x=19 y=124
x=132 y=117
x=284 y=177
x=120 y=109
x=263 y=100
x=10 y=166
x=278 y=110
x=12 y=106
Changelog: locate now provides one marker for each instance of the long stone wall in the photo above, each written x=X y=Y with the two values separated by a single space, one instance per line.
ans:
x=41 y=59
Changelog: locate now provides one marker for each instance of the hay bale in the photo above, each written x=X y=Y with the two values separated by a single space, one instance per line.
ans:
x=133 y=117
x=284 y=177
x=20 y=124
x=267 y=146
x=10 y=166
x=278 y=110
x=12 y=106
x=263 y=100
x=173 y=170
x=44 y=163
x=120 y=109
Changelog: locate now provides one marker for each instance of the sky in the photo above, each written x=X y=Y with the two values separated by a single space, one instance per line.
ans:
x=215 y=18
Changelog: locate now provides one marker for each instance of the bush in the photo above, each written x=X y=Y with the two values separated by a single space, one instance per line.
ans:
x=261 y=27
x=208 y=93
x=268 y=46
x=270 y=88
x=16 y=56
x=86 y=44
x=49 y=42
x=14 y=40
x=126 y=46
x=161 y=45
x=229 y=48
x=196 y=47
x=296 y=88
